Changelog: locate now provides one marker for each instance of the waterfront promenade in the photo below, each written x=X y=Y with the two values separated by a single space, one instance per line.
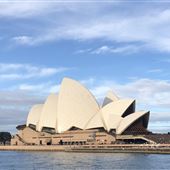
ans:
x=32 y=148
x=117 y=148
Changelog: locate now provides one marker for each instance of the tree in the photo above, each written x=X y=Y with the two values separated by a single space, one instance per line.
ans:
x=5 y=137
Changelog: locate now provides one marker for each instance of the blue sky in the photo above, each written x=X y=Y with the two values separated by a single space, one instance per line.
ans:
x=119 y=45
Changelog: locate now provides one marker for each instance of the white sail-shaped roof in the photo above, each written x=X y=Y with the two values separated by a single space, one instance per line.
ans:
x=34 y=114
x=48 y=116
x=128 y=120
x=76 y=105
x=111 y=114
x=110 y=97
x=118 y=107
x=95 y=122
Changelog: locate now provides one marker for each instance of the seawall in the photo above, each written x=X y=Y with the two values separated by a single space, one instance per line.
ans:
x=156 y=148
x=32 y=148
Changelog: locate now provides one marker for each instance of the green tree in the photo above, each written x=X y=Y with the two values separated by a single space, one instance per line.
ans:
x=5 y=137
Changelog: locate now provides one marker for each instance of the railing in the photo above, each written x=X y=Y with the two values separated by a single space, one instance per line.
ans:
x=121 y=147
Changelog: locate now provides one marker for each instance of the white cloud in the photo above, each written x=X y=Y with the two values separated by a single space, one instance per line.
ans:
x=16 y=103
x=37 y=8
x=10 y=66
x=18 y=98
x=18 y=9
x=28 y=87
x=155 y=70
x=27 y=71
x=88 y=82
x=43 y=88
x=14 y=107
x=144 y=24
x=149 y=29
x=103 y=49
x=23 y=40
x=83 y=51
x=54 y=89
x=150 y=94
x=123 y=49
x=160 y=126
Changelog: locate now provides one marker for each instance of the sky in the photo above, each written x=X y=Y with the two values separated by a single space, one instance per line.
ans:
x=123 y=46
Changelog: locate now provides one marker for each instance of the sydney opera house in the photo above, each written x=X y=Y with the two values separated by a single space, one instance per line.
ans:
x=74 y=117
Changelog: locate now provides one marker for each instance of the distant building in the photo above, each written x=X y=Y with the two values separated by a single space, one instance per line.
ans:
x=75 y=117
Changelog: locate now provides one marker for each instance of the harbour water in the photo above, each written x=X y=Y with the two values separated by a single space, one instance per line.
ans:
x=12 y=160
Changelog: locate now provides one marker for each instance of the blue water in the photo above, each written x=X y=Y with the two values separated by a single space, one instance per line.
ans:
x=60 y=160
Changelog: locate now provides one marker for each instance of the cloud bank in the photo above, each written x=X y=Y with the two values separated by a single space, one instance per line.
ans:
x=27 y=71
x=71 y=21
